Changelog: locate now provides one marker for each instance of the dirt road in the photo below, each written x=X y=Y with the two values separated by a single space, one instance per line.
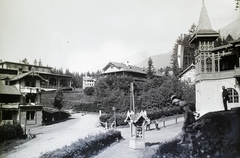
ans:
x=57 y=135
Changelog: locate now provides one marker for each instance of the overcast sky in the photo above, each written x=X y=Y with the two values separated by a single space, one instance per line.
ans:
x=84 y=35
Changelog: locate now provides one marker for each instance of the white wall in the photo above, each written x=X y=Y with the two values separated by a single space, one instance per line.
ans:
x=209 y=95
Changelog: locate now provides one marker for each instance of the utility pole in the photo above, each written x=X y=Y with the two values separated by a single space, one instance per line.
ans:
x=132 y=106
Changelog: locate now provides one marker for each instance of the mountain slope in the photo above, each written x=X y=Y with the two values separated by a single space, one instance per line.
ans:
x=159 y=61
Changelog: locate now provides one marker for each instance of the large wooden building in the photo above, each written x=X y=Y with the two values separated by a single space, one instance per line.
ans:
x=21 y=86
x=138 y=73
x=215 y=67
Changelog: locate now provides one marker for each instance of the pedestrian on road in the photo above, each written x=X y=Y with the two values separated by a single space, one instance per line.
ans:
x=156 y=124
x=188 y=116
x=225 y=97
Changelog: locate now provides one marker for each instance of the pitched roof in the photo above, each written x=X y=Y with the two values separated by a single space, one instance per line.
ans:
x=129 y=68
x=17 y=77
x=204 y=27
x=188 y=68
x=6 y=89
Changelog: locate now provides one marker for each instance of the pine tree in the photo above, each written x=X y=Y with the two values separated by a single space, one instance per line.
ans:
x=150 y=70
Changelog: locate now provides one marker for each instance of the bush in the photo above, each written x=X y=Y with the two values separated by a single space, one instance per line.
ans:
x=88 y=107
x=87 y=147
x=171 y=149
x=89 y=90
x=110 y=118
x=213 y=135
x=10 y=132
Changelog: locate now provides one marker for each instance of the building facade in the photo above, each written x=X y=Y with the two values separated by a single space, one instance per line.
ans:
x=138 y=73
x=21 y=86
x=88 y=81
x=215 y=67
x=188 y=75
x=53 y=80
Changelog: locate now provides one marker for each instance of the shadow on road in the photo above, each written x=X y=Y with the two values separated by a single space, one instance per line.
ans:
x=148 y=144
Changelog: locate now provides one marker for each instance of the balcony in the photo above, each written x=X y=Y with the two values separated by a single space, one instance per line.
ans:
x=33 y=90
x=52 y=87
x=218 y=75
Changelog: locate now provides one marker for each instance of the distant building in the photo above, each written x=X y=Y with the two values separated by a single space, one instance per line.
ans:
x=21 y=86
x=88 y=81
x=138 y=73
x=188 y=75
x=215 y=67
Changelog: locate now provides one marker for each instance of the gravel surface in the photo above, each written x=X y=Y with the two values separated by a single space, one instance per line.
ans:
x=57 y=135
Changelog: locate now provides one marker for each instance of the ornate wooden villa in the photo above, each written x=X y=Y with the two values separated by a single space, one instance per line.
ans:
x=20 y=91
x=215 y=67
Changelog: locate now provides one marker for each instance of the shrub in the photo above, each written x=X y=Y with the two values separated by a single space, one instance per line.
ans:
x=10 y=132
x=213 y=135
x=110 y=118
x=171 y=149
x=88 y=107
x=89 y=90
x=86 y=147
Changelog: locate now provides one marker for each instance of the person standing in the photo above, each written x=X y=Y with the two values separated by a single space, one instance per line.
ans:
x=225 y=97
x=189 y=118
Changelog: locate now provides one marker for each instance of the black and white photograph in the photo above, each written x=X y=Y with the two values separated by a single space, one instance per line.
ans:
x=120 y=78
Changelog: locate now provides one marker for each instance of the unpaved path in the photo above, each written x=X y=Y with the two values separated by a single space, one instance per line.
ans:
x=57 y=135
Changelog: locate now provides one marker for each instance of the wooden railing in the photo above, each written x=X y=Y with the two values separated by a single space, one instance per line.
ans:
x=219 y=75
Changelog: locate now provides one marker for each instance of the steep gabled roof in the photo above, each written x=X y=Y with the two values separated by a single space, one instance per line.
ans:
x=204 y=27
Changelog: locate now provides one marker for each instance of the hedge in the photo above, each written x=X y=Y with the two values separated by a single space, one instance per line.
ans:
x=88 y=107
x=87 y=147
x=10 y=132
x=110 y=118
x=152 y=115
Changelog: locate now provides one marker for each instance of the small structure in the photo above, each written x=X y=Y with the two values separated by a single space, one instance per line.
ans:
x=188 y=75
x=137 y=123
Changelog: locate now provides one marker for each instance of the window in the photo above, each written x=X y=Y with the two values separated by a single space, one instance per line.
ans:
x=216 y=65
x=202 y=65
x=209 y=64
x=233 y=95
x=7 y=115
x=30 y=115
x=32 y=84
x=27 y=84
